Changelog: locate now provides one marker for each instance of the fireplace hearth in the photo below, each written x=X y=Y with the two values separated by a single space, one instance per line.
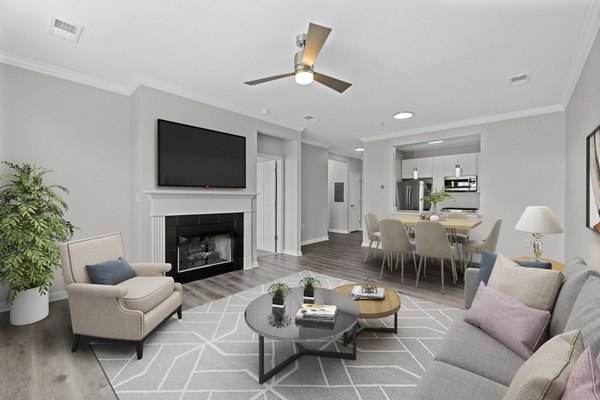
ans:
x=204 y=245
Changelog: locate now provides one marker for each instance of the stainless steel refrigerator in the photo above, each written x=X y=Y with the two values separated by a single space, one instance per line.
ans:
x=409 y=193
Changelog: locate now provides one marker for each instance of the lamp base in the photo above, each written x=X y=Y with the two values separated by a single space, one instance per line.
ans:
x=538 y=247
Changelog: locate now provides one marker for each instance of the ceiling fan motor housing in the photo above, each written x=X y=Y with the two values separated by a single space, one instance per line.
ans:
x=298 y=66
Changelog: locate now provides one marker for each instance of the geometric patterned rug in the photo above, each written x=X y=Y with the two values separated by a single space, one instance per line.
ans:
x=211 y=354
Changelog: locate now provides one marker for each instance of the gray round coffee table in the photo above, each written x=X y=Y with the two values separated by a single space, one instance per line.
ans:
x=260 y=319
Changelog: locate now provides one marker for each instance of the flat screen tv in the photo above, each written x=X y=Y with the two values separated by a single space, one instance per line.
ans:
x=189 y=156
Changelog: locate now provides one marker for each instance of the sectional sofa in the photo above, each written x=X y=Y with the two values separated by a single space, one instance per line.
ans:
x=473 y=365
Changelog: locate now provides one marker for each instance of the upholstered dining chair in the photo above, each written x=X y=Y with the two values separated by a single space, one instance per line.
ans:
x=394 y=240
x=432 y=242
x=458 y=236
x=372 y=225
x=489 y=243
x=127 y=312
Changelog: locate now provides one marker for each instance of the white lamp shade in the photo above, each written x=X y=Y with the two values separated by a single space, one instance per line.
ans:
x=538 y=219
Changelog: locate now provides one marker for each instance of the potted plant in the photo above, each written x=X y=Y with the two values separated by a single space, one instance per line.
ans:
x=309 y=284
x=279 y=291
x=31 y=222
x=434 y=197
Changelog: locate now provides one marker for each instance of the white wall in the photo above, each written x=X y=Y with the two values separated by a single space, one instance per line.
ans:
x=81 y=133
x=582 y=117
x=270 y=145
x=522 y=163
x=315 y=199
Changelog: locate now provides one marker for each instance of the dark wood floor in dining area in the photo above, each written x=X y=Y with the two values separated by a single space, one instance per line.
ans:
x=36 y=360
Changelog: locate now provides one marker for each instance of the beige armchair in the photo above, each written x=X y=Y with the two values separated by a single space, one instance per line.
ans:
x=127 y=312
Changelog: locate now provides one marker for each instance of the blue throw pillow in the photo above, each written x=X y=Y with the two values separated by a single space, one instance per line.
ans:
x=488 y=259
x=110 y=272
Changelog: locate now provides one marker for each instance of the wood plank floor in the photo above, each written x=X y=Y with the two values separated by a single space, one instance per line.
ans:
x=36 y=360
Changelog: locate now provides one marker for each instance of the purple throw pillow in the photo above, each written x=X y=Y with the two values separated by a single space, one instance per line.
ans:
x=518 y=327
x=584 y=381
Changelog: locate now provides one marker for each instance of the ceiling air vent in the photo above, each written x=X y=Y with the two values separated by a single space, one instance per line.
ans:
x=519 y=79
x=310 y=118
x=65 y=30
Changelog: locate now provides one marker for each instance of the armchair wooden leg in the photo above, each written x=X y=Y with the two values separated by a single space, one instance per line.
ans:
x=76 y=339
x=419 y=272
x=179 y=312
x=139 y=349
x=368 y=248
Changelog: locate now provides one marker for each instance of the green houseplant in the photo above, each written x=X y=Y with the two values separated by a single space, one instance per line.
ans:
x=278 y=291
x=31 y=222
x=309 y=283
x=436 y=196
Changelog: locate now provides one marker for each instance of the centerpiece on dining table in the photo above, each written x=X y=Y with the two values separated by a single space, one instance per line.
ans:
x=434 y=197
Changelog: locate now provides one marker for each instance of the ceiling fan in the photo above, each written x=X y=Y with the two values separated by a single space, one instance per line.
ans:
x=310 y=44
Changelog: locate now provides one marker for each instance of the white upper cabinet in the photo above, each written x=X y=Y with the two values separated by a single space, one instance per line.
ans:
x=468 y=163
x=440 y=167
x=407 y=168
x=425 y=167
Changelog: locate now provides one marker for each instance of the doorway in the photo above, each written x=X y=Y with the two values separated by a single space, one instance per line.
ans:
x=268 y=199
x=354 y=218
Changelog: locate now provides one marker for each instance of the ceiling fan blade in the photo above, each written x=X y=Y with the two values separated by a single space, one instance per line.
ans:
x=270 y=78
x=315 y=39
x=335 y=84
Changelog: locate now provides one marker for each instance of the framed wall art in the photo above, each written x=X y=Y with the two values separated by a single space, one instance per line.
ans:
x=593 y=181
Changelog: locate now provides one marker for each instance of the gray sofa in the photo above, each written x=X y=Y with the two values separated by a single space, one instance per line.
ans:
x=473 y=365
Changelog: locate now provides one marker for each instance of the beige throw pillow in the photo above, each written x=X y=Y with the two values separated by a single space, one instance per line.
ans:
x=536 y=288
x=544 y=375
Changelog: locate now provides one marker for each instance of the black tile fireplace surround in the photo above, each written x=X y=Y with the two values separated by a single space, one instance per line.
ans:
x=204 y=224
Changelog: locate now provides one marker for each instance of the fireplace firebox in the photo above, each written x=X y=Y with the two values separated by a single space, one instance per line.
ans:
x=204 y=245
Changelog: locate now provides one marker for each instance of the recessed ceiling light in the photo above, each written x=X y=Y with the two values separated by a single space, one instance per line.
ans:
x=435 y=142
x=310 y=118
x=359 y=149
x=264 y=111
x=404 y=115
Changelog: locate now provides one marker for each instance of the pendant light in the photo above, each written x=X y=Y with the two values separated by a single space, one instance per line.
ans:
x=457 y=169
x=415 y=171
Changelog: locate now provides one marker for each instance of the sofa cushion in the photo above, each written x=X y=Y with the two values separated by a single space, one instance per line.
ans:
x=584 y=381
x=536 y=288
x=586 y=314
x=576 y=273
x=110 y=272
x=468 y=347
x=445 y=381
x=488 y=259
x=545 y=374
x=518 y=327
x=146 y=292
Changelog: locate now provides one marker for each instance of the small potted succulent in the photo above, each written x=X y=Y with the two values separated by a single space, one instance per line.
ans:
x=279 y=291
x=309 y=283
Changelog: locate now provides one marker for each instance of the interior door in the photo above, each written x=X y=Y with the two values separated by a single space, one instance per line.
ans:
x=266 y=205
x=355 y=202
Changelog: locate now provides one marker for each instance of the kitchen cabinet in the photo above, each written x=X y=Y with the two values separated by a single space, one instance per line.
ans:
x=438 y=172
x=440 y=167
x=425 y=167
x=407 y=168
x=468 y=164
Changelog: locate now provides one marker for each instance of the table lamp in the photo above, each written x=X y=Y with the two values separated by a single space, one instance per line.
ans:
x=538 y=220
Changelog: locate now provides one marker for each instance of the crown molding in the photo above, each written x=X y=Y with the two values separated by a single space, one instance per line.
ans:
x=316 y=144
x=58 y=72
x=469 y=122
x=586 y=40
x=342 y=153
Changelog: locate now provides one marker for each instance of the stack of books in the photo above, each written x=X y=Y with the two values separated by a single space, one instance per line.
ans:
x=358 y=293
x=316 y=316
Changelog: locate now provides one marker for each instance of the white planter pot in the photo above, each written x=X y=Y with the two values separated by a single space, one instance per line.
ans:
x=30 y=306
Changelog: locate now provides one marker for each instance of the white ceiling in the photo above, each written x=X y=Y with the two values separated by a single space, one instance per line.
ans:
x=446 y=60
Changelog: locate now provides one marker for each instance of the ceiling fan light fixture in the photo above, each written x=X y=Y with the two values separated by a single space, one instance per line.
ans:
x=404 y=115
x=303 y=76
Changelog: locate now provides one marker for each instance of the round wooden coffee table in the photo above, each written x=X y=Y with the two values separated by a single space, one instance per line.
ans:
x=373 y=309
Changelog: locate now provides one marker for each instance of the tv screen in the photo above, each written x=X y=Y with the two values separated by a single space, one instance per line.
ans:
x=197 y=157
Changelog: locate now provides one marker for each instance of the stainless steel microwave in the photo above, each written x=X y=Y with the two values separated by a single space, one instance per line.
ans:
x=461 y=184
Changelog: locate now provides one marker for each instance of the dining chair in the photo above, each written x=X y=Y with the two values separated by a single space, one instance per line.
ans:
x=477 y=246
x=372 y=224
x=394 y=240
x=458 y=236
x=432 y=242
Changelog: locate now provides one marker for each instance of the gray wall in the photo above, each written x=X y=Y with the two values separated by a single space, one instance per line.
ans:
x=314 y=193
x=338 y=211
x=81 y=133
x=522 y=163
x=582 y=116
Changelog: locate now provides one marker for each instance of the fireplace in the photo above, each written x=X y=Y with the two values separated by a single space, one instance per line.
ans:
x=204 y=245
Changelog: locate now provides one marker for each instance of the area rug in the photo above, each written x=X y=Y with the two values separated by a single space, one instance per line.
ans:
x=211 y=354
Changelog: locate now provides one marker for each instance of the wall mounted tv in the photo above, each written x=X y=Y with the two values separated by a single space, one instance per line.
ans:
x=196 y=157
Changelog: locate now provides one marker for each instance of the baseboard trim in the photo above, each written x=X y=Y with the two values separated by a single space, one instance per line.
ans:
x=339 y=231
x=292 y=253
x=55 y=296
x=315 y=240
